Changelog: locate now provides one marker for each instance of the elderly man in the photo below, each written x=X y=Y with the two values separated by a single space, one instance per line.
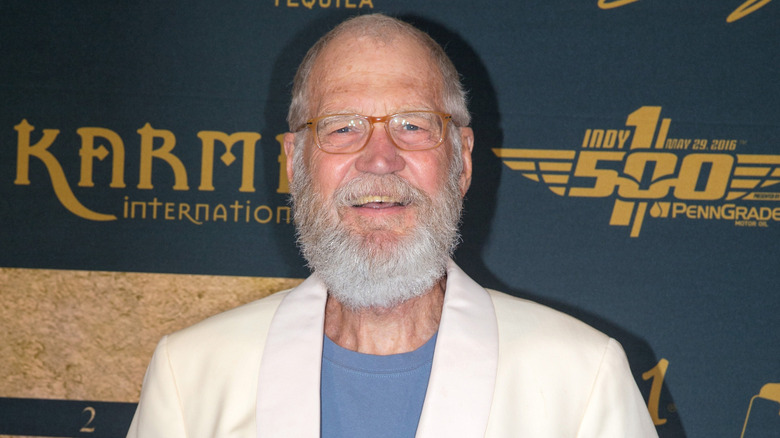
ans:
x=388 y=337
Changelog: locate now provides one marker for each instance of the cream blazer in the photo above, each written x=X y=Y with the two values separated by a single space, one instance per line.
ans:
x=502 y=367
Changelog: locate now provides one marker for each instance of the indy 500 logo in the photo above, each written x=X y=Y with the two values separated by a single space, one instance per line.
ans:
x=693 y=178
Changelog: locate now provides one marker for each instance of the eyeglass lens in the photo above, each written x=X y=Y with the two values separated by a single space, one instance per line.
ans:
x=411 y=131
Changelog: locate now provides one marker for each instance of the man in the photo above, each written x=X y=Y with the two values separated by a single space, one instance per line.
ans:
x=388 y=337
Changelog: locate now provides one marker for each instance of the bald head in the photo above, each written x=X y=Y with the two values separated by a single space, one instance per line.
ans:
x=381 y=30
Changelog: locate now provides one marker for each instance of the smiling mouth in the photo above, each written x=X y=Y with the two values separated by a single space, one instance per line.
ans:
x=377 y=201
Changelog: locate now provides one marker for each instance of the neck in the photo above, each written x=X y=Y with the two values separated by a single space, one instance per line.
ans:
x=384 y=331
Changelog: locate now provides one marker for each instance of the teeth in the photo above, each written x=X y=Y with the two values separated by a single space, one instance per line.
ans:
x=376 y=198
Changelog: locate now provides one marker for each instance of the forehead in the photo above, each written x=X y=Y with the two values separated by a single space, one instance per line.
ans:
x=364 y=74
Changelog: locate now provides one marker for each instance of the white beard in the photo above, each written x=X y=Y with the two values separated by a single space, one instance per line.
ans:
x=360 y=270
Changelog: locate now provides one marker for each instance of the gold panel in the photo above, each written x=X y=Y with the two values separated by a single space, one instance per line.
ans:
x=87 y=335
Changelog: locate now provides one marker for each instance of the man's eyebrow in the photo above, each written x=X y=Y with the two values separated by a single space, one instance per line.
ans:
x=337 y=110
x=351 y=110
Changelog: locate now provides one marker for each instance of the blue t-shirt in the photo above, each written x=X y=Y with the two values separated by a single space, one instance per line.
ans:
x=365 y=395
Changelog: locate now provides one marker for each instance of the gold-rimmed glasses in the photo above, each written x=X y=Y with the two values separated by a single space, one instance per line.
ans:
x=349 y=133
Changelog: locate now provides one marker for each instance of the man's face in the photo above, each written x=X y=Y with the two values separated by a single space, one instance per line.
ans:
x=363 y=76
x=377 y=225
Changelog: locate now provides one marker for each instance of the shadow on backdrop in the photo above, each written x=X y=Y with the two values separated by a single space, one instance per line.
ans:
x=279 y=95
x=480 y=207
x=481 y=200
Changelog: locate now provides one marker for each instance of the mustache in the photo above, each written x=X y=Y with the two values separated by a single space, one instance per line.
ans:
x=391 y=186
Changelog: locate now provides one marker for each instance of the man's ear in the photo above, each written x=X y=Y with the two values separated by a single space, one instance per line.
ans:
x=467 y=145
x=289 y=151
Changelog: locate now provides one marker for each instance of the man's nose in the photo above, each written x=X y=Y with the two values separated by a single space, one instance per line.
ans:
x=380 y=156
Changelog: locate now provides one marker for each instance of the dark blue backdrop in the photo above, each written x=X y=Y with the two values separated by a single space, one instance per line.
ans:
x=695 y=290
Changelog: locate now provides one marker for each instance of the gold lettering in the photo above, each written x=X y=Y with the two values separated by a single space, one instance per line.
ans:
x=610 y=138
x=367 y=2
x=220 y=212
x=597 y=138
x=236 y=207
x=585 y=140
x=169 y=211
x=708 y=212
x=249 y=140
x=88 y=153
x=717 y=181
x=154 y=204
x=645 y=119
x=657 y=373
x=745 y=9
x=266 y=209
x=678 y=208
x=25 y=150
x=148 y=134
x=184 y=211
x=663 y=131
x=622 y=137
x=286 y=211
x=606 y=179
x=690 y=212
x=636 y=164
x=309 y=4
x=135 y=204
x=728 y=212
x=58 y=181
x=205 y=209
x=92 y=413
x=607 y=4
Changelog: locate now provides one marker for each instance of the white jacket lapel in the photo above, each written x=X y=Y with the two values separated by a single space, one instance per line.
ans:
x=463 y=376
x=288 y=395
x=460 y=390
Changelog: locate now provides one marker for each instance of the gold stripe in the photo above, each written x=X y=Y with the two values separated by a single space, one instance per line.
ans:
x=621 y=213
x=758 y=159
x=520 y=165
x=547 y=166
x=744 y=183
x=555 y=179
x=534 y=153
x=751 y=171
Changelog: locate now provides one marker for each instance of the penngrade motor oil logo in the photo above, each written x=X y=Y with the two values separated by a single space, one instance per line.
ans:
x=656 y=175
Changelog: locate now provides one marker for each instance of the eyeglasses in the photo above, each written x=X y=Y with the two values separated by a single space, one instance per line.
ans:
x=349 y=133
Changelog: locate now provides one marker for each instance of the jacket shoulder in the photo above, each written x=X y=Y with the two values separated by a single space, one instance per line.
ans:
x=557 y=376
x=521 y=320
x=231 y=329
x=202 y=380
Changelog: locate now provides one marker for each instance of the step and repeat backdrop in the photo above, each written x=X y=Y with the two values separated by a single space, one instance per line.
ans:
x=627 y=172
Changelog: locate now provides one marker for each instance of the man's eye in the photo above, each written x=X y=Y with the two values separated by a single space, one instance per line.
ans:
x=342 y=127
x=410 y=127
